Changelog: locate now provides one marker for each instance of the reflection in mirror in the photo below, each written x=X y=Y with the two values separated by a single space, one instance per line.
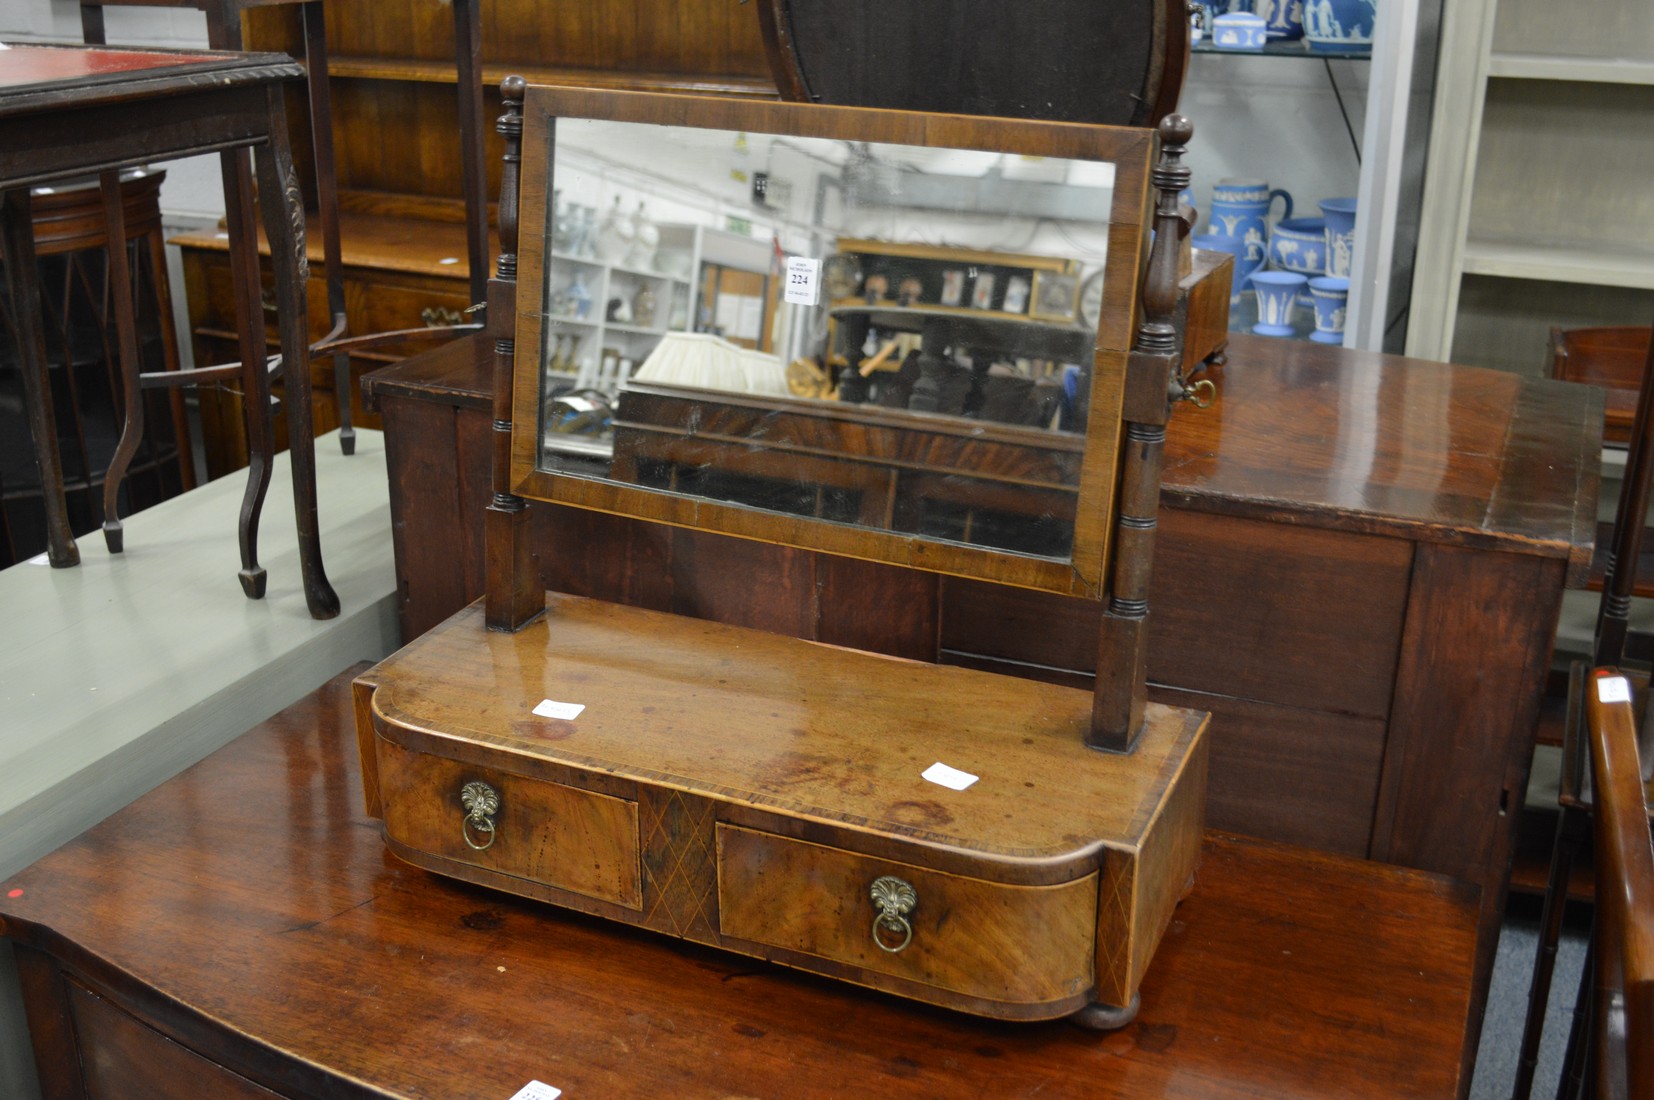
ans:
x=892 y=336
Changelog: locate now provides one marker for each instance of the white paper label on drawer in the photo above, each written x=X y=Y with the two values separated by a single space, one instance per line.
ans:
x=948 y=777
x=1614 y=689
x=802 y=272
x=551 y=708
x=537 y=1090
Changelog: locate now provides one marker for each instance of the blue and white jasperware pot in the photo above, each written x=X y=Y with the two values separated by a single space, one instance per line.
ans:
x=1299 y=244
x=1240 y=208
x=1239 y=30
x=1340 y=24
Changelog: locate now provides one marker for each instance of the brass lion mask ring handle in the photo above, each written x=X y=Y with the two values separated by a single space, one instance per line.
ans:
x=893 y=900
x=481 y=803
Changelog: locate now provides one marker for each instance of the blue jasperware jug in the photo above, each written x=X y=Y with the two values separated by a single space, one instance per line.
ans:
x=1240 y=208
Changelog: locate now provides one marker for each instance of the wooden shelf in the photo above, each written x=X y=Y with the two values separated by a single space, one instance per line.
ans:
x=1591 y=266
x=443 y=72
x=1596 y=70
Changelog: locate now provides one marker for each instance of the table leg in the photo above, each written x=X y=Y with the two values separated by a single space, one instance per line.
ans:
x=239 y=220
x=23 y=290
x=473 y=157
x=126 y=337
x=327 y=207
x=852 y=334
x=284 y=226
x=927 y=390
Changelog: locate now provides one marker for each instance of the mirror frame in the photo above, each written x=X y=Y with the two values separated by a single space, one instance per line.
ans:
x=1132 y=151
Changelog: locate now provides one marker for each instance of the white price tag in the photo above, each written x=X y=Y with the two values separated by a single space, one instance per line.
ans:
x=1614 y=689
x=537 y=1090
x=803 y=275
x=41 y=558
x=952 y=778
x=551 y=708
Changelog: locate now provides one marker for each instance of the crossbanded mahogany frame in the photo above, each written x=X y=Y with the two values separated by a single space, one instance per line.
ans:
x=1133 y=368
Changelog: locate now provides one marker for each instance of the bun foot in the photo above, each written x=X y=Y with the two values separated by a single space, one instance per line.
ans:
x=1099 y=1017
x=252 y=583
x=113 y=536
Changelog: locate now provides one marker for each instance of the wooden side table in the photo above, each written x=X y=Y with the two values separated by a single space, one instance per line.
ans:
x=224 y=32
x=75 y=110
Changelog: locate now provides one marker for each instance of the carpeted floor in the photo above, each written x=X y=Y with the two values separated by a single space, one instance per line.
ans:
x=1507 y=1003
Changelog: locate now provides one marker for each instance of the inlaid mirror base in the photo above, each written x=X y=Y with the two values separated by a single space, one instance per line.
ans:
x=791 y=801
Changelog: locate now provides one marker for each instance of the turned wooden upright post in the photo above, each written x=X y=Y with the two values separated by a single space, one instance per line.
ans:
x=514 y=593
x=1151 y=383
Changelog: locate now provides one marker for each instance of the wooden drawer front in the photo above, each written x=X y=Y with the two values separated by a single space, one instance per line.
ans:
x=1008 y=944
x=376 y=305
x=547 y=833
x=121 y=1056
x=374 y=302
x=1271 y=612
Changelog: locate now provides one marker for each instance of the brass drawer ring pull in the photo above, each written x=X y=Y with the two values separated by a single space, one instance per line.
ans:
x=894 y=900
x=481 y=803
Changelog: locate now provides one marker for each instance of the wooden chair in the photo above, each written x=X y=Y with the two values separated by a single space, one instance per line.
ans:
x=1611 y=358
x=1613 y=641
x=1619 y=1016
x=69 y=224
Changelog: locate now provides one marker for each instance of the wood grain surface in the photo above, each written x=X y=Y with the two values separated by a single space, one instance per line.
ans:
x=833 y=736
x=247 y=911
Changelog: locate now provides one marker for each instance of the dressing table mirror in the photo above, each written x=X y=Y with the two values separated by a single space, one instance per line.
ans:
x=904 y=372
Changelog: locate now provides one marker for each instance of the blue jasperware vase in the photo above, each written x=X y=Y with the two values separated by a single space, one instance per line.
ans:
x=1342 y=25
x=1340 y=215
x=1282 y=19
x=1277 y=293
x=1331 y=294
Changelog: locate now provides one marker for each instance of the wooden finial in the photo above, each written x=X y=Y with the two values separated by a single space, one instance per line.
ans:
x=510 y=127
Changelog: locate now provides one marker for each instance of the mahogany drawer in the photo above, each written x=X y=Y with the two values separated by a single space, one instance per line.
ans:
x=544 y=833
x=1028 y=945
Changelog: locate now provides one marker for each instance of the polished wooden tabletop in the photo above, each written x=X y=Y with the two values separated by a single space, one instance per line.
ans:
x=248 y=910
x=1327 y=437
